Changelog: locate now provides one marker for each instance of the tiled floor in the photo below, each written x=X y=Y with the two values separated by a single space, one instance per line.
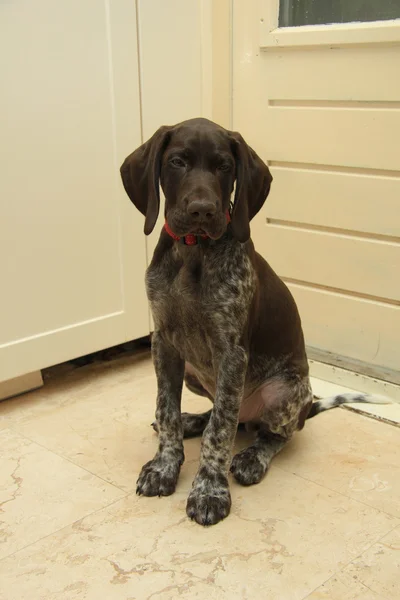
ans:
x=323 y=525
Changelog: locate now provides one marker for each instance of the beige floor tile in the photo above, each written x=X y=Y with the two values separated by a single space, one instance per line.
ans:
x=349 y=453
x=378 y=569
x=344 y=587
x=284 y=538
x=372 y=576
x=95 y=440
x=107 y=381
x=108 y=432
x=41 y=492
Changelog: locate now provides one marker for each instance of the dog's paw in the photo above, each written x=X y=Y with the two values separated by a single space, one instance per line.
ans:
x=247 y=467
x=158 y=478
x=208 y=508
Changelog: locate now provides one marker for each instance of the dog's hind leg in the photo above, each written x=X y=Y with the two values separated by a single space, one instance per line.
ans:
x=193 y=424
x=251 y=464
x=282 y=408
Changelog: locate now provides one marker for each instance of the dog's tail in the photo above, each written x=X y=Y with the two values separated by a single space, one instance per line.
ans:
x=326 y=403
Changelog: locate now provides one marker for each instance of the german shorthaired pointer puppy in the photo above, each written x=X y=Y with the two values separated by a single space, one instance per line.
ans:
x=224 y=321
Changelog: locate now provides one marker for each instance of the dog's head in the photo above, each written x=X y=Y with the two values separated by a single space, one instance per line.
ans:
x=197 y=163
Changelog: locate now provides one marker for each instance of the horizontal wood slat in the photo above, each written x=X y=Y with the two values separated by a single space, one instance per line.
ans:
x=361 y=329
x=367 y=138
x=336 y=199
x=339 y=261
x=314 y=75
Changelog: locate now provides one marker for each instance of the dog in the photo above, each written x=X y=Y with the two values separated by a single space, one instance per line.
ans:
x=225 y=323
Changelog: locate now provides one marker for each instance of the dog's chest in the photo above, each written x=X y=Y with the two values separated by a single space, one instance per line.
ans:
x=201 y=304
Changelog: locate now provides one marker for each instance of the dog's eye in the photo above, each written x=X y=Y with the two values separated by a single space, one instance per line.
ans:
x=177 y=162
x=224 y=167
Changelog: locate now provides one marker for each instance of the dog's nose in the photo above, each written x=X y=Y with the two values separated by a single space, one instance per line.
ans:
x=201 y=208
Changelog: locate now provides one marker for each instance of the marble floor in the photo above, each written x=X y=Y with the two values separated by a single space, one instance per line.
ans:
x=323 y=525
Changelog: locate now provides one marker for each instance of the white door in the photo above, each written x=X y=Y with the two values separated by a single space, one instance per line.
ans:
x=321 y=102
x=72 y=251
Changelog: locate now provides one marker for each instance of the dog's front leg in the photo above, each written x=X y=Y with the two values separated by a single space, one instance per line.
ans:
x=159 y=476
x=210 y=500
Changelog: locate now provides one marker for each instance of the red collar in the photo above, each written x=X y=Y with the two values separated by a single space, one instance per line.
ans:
x=191 y=239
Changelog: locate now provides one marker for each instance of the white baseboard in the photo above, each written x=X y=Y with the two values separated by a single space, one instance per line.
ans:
x=19 y=385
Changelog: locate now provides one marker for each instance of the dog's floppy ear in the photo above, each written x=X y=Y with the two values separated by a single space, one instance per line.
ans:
x=140 y=174
x=253 y=181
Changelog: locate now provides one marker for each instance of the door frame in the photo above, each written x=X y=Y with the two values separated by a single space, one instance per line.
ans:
x=332 y=34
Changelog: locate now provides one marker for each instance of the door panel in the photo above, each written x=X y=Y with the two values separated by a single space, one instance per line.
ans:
x=72 y=253
x=360 y=329
x=329 y=135
x=348 y=261
x=335 y=198
x=307 y=74
x=322 y=104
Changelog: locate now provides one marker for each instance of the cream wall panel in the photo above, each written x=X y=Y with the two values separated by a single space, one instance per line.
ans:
x=250 y=80
x=336 y=199
x=222 y=63
x=182 y=88
x=174 y=53
x=72 y=257
x=329 y=74
x=361 y=329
